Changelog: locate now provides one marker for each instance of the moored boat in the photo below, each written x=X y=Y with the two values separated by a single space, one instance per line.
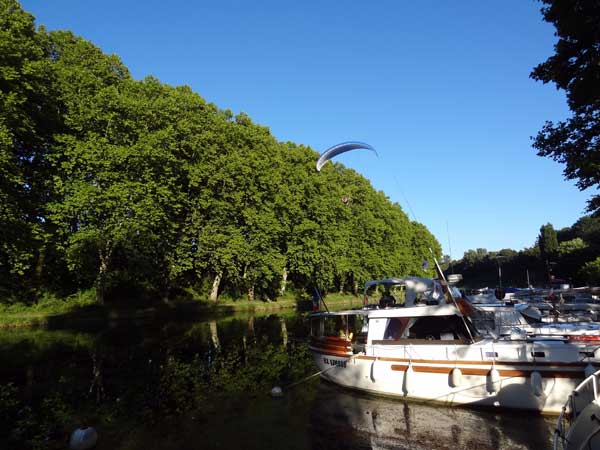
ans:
x=421 y=347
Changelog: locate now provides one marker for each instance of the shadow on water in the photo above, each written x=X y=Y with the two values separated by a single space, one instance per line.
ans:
x=205 y=384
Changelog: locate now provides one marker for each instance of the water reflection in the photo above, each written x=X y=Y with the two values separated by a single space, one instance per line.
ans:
x=206 y=385
x=345 y=419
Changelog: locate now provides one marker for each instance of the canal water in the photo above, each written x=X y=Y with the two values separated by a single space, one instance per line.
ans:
x=206 y=385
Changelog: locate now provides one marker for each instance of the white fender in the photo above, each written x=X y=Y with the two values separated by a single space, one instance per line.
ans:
x=408 y=379
x=589 y=370
x=374 y=371
x=492 y=380
x=536 y=383
x=455 y=377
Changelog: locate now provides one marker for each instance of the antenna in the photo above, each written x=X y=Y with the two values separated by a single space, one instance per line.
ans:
x=405 y=199
x=449 y=249
x=448 y=292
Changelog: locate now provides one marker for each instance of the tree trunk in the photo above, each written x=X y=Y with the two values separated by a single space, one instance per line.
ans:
x=214 y=334
x=39 y=268
x=284 y=333
x=284 y=276
x=97 y=385
x=214 y=293
x=105 y=259
x=251 y=328
x=245 y=347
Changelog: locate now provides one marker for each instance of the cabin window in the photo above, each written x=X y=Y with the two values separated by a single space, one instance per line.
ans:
x=342 y=326
x=483 y=320
x=445 y=328
x=437 y=328
x=397 y=328
x=335 y=326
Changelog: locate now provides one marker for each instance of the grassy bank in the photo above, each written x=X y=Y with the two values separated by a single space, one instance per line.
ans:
x=79 y=307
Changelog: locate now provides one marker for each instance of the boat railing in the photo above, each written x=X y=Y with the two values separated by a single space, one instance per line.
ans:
x=585 y=393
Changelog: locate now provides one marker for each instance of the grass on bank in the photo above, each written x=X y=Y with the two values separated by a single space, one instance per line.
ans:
x=21 y=314
x=82 y=306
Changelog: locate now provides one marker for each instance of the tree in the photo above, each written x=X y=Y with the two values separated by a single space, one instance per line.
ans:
x=547 y=241
x=590 y=272
x=143 y=186
x=28 y=116
x=574 y=68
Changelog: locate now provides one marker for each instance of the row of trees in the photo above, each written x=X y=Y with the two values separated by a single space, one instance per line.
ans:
x=139 y=187
x=570 y=253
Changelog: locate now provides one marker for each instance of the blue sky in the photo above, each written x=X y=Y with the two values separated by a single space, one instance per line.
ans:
x=440 y=88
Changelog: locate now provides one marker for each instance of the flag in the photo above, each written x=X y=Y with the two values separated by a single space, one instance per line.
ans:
x=315 y=300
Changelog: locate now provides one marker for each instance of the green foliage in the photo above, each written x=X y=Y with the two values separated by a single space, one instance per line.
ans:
x=182 y=386
x=570 y=249
x=9 y=407
x=138 y=189
x=590 y=272
x=548 y=241
x=27 y=117
x=571 y=246
x=29 y=428
x=574 y=68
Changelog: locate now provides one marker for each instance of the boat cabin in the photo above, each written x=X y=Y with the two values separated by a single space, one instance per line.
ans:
x=422 y=325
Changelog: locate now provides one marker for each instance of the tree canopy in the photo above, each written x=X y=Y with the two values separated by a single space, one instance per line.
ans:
x=138 y=187
x=574 y=68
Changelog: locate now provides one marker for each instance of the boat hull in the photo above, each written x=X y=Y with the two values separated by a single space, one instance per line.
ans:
x=479 y=383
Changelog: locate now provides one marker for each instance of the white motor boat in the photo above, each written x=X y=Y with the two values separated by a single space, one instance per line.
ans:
x=428 y=349
x=506 y=321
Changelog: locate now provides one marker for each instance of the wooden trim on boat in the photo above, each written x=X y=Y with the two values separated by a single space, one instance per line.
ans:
x=477 y=363
x=421 y=342
x=341 y=354
x=484 y=372
x=331 y=347
x=330 y=339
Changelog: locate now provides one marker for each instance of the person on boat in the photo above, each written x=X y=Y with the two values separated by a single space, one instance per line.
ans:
x=387 y=300
x=344 y=328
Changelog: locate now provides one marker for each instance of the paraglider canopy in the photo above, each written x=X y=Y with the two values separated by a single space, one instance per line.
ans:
x=339 y=149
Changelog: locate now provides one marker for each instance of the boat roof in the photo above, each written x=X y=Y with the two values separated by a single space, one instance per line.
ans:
x=347 y=312
x=416 y=311
x=417 y=283
x=402 y=311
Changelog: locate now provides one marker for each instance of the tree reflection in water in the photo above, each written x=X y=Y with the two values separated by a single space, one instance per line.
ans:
x=206 y=385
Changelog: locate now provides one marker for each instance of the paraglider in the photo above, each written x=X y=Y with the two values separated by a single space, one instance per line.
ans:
x=339 y=149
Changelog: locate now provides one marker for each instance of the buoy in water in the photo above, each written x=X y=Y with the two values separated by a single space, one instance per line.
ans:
x=536 y=383
x=276 y=392
x=455 y=377
x=83 y=438
x=492 y=380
